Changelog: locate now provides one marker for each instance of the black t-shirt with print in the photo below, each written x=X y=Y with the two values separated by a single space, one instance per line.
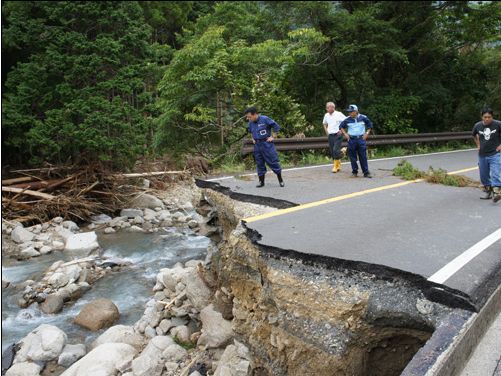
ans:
x=489 y=136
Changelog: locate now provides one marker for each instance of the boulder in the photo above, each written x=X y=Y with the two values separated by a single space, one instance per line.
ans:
x=45 y=250
x=216 y=331
x=192 y=224
x=53 y=304
x=84 y=242
x=135 y=229
x=21 y=235
x=70 y=354
x=24 y=369
x=147 y=201
x=100 y=219
x=109 y=230
x=98 y=314
x=174 y=353
x=165 y=325
x=64 y=232
x=131 y=213
x=116 y=222
x=120 y=334
x=171 y=276
x=57 y=220
x=70 y=225
x=182 y=333
x=197 y=291
x=58 y=280
x=104 y=360
x=30 y=252
x=43 y=344
x=57 y=245
x=151 y=361
x=235 y=361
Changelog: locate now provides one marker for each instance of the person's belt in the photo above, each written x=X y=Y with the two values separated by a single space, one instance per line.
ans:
x=356 y=137
x=261 y=140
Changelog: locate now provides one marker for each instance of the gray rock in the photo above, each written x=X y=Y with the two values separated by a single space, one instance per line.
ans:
x=131 y=213
x=70 y=354
x=109 y=230
x=138 y=220
x=57 y=220
x=196 y=373
x=235 y=361
x=53 y=304
x=43 y=344
x=30 y=252
x=147 y=201
x=57 y=245
x=174 y=353
x=37 y=245
x=84 y=242
x=151 y=361
x=115 y=222
x=120 y=334
x=135 y=229
x=100 y=219
x=24 y=369
x=182 y=333
x=70 y=225
x=192 y=224
x=21 y=235
x=165 y=325
x=64 y=233
x=104 y=360
x=216 y=331
x=42 y=238
x=163 y=215
x=98 y=314
x=45 y=250
x=150 y=332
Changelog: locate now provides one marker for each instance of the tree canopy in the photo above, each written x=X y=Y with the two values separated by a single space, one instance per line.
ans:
x=110 y=82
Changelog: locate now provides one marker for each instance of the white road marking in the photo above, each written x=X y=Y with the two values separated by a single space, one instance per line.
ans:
x=347 y=163
x=452 y=267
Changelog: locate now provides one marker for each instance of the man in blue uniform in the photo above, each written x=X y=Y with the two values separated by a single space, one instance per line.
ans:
x=260 y=127
x=356 y=128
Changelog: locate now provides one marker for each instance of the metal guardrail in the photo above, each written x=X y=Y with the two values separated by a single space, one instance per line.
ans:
x=313 y=143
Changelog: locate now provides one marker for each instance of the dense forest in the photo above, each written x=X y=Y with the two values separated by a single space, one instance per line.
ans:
x=112 y=82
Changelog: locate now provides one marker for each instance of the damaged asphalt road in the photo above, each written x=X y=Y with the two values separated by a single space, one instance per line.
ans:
x=415 y=228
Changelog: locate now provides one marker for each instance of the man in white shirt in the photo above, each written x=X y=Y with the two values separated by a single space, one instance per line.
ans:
x=331 y=122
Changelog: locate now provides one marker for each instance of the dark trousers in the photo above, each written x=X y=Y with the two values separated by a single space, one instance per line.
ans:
x=335 y=143
x=358 y=147
x=265 y=152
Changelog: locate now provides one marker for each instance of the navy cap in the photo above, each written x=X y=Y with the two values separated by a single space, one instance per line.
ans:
x=351 y=108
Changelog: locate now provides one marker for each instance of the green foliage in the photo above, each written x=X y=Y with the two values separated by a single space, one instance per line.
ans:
x=111 y=81
x=407 y=171
x=80 y=94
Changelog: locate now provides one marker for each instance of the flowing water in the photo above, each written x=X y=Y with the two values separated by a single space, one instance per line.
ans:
x=129 y=288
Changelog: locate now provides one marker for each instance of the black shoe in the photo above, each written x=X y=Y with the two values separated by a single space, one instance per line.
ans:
x=354 y=174
x=497 y=195
x=261 y=182
x=488 y=193
x=368 y=175
x=280 y=180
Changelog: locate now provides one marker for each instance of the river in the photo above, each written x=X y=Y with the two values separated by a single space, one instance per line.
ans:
x=129 y=288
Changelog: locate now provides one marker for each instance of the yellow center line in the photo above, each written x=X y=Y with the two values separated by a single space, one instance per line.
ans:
x=341 y=198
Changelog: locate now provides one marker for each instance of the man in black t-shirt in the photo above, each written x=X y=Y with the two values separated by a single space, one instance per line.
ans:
x=487 y=135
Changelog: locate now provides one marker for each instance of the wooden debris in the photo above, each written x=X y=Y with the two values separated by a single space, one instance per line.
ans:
x=28 y=192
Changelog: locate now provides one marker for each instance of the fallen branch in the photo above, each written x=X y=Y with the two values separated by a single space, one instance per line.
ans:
x=16 y=180
x=28 y=192
x=167 y=305
x=61 y=182
x=141 y=174
x=88 y=189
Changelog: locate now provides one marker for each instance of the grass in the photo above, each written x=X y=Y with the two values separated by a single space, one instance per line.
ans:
x=185 y=345
x=407 y=171
x=236 y=164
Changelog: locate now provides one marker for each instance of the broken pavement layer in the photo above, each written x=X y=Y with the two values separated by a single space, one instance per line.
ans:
x=301 y=316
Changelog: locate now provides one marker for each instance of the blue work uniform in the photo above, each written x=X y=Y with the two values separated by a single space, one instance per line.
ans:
x=264 y=151
x=357 y=145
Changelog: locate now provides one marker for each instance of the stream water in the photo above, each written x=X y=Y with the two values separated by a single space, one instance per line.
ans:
x=129 y=289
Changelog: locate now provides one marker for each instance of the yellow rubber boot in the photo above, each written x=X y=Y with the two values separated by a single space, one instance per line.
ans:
x=338 y=164
x=334 y=166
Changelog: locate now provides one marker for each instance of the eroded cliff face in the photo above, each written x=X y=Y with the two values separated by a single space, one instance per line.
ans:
x=308 y=318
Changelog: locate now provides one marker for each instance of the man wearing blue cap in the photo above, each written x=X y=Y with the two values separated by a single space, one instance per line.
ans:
x=356 y=128
x=261 y=128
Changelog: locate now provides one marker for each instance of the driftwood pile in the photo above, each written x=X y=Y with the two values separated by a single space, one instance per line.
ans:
x=37 y=195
